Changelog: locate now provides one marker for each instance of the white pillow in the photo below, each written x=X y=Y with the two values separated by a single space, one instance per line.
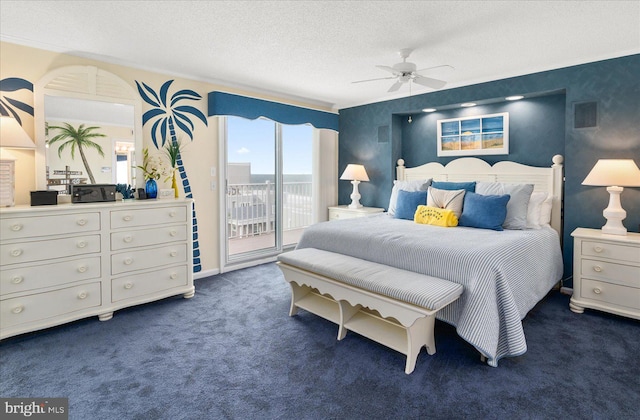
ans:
x=545 y=213
x=534 y=209
x=410 y=186
x=446 y=199
x=517 y=205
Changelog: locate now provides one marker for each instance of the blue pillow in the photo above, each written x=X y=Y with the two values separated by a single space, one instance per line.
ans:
x=484 y=211
x=443 y=185
x=408 y=202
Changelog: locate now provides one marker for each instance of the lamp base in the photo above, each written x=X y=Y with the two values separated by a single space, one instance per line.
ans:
x=614 y=213
x=355 y=196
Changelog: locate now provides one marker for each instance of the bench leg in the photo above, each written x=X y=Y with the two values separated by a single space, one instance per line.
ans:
x=418 y=335
x=297 y=293
x=346 y=312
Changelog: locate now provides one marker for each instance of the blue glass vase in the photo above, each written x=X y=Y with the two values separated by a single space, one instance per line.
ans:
x=151 y=188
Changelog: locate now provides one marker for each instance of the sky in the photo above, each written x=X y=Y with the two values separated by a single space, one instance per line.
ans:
x=253 y=141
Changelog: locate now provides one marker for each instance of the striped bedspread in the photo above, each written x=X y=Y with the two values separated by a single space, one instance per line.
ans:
x=504 y=274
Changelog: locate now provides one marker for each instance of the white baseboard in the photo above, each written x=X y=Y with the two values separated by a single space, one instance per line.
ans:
x=566 y=291
x=206 y=273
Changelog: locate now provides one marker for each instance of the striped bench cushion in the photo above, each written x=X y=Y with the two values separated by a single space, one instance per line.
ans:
x=406 y=286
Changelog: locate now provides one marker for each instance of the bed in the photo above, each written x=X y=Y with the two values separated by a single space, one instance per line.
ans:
x=504 y=273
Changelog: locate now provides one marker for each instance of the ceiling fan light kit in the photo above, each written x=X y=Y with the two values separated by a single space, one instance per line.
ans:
x=406 y=72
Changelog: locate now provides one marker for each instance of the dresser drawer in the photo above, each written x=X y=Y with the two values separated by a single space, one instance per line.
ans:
x=154 y=236
x=137 y=260
x=49 y=250
x=148 y=283
x=625 y=275
x=610 y=293
x=613 y=251
x=24 y=278
x=149 y=216
x=57 y=224
x=337 y=215
x=40 y=306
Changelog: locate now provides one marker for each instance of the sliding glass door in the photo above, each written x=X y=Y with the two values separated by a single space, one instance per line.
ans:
x=267 y=190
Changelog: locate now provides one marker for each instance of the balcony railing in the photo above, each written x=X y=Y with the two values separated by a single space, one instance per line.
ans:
x=251 y=208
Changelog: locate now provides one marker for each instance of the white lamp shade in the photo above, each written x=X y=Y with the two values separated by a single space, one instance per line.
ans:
x=355 y=172
x=614 y=172
x=12 y=135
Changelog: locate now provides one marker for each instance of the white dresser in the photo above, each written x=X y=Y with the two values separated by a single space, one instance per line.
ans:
x=66 y=262
x=606 y=272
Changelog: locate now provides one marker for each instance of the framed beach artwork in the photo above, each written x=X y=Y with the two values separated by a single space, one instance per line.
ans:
x=477 y=135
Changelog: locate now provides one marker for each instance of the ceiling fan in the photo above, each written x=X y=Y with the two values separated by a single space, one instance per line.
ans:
x=406 y=72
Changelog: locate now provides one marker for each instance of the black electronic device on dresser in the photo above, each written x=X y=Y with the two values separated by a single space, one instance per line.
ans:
x=93 y=193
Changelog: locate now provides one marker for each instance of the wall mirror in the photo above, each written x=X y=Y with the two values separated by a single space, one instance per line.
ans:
x=75 y=96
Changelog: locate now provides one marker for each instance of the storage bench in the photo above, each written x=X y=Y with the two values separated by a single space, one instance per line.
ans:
x=391 y=306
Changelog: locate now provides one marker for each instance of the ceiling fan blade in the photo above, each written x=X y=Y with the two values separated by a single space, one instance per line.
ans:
x=389 y=69
x=429 y=82
x=394 y=87
x=371 y=80
x=448 y=67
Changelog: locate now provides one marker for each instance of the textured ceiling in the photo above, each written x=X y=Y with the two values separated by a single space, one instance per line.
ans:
x=314 y=50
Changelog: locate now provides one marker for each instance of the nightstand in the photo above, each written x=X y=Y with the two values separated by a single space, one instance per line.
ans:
x=606 y=272
x=344 y=212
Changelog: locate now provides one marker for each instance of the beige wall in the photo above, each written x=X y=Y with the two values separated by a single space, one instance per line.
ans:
x=199 y=156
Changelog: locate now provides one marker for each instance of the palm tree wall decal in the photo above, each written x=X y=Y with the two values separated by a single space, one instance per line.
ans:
x=167 y=115
x=80 y=139
x=10 y=106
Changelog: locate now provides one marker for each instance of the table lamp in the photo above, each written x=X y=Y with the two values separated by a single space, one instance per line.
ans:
x=355 y=174
x=12 y=136
x=614 y=174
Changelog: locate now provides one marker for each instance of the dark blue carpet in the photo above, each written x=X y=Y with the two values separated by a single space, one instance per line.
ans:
x=233 y=352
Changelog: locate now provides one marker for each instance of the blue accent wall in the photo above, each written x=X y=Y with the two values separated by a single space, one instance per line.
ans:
x=541 y=126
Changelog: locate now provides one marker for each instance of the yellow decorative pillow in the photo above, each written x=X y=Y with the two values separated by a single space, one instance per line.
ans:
x=434 y=216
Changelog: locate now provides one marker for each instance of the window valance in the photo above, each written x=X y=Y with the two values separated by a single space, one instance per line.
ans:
x=221 y=103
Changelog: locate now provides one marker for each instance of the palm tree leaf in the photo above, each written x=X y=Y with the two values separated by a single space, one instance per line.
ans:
x=163 y=91
x=5 y=110
x=11 y=84
x=184 y=128
x=193 y=111
x=20 y=105
x=152 y=113
x=184 y=94
x=146 y=97
x=163 y=130
x=183 y=117
x=154 y=127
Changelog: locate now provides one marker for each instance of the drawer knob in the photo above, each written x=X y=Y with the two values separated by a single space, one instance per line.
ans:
x=82 y=295
x=172 y=213
x=16 y=252
x=173 y=233
x=128 y=261
x=597 y=268
x=127 y=218
x=17 y=309
x=17 y=279
x=598 y=249
x=597 y=290
x=128 y=238
x=173 y=276
x=82 y=222
x=16 y=227
x=174 y=253
x=82 y=244
x=128 y=286
x=82 y=269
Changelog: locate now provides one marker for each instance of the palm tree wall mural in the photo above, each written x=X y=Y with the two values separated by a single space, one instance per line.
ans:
x=10 y=106
x=167 y=116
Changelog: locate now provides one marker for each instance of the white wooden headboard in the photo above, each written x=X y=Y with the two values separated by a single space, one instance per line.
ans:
x=473 y=169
